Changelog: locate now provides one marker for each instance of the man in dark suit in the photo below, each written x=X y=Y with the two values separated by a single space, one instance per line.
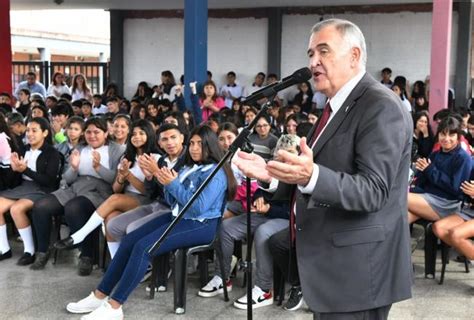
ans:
x=352 y=236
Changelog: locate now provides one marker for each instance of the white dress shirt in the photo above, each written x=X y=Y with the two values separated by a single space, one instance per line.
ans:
x=85 y=164
x=31 y=156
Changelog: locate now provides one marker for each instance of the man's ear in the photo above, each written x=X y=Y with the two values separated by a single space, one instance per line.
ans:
x=355 y=56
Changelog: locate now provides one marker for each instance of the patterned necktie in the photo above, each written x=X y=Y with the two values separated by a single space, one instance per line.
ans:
x=321 y=124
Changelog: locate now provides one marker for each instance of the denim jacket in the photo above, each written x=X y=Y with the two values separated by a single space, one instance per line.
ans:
x=209 y=204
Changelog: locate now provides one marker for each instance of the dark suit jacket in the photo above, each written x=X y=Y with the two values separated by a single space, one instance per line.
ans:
x=352 y=235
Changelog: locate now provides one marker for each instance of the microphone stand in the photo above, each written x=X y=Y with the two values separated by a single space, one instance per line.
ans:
x=240 y=142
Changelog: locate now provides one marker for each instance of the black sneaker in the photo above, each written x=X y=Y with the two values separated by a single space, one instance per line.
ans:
x=295 y=301
x=26 y=259
x=85 y=266
x=41 y=261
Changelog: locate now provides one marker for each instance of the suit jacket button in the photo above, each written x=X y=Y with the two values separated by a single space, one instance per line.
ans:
x=300 y=229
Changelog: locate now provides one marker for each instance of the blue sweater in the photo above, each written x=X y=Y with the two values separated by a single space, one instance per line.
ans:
x=443 y=177
x=209 y=204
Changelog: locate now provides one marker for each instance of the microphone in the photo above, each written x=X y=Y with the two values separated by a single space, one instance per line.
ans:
x=298 y=76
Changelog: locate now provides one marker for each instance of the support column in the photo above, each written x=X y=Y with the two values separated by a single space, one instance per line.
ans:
x=195 y=45
x=5 y=48
x=275 y=18
x=45 y=54
x=462 y=82
x=102 y=73
x=440 y=54
x=116 y=48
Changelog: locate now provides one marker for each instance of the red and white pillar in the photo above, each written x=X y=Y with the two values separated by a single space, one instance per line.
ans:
x=440 y=54
x=5 y=48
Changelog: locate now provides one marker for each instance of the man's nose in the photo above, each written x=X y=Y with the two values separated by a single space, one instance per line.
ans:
x=314 y=60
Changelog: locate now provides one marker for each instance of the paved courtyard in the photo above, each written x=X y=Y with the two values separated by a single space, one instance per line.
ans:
x=25 y=294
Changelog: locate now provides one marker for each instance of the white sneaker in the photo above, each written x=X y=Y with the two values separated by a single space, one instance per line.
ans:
x=105 y=312
x=260 y=298
x=214 y=287
x=86 y=305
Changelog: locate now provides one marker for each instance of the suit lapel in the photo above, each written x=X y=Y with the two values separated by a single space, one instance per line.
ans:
x=342 y=113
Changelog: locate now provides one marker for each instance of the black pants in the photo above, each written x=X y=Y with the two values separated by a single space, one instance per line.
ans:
x=284 y=256
x=372 y=314
x=77 y=211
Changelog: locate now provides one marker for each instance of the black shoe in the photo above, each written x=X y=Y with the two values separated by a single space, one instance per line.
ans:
x=85 y=266
x=40 y=261
x=26 y=259
x=6 y=255
x=64 y=244
x=295 y=301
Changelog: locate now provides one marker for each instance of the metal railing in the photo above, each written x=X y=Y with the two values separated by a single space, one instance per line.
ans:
x=97 y=73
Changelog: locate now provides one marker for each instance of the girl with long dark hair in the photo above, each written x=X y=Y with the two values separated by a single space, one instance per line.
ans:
x=58 y=86
x=87 y=183
x=198 y=225
x=40 y=169
x=439 y=177
x=79 y=88
x=209 y=101
x=128 y=186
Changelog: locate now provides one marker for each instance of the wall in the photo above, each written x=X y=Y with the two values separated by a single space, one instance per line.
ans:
x=398 y=40
x=154 y=45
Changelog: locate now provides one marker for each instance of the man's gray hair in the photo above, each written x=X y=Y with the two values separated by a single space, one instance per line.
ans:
x=349 y=32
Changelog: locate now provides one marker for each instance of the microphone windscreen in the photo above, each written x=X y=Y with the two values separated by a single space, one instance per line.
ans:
x=302 y=74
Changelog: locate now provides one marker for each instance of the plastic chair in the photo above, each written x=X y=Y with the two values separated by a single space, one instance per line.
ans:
x=180 y=270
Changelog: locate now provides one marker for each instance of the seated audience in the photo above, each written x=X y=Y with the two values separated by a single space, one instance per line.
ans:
x=58 y=86
x=24 y=102
x=271 y=212
x=457 y=230
x=40 y=169
x=263 y=142
x=8 y=178
x=88 y=183
x=60 y=114
x=209 y=101
x=129 y=188
x=423 y=139
x=198 y=226
x=121 y=129
x=170 y=140
x=438 y=179
x=80 y=89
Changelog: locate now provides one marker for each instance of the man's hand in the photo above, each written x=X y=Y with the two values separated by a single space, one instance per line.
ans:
x=252 y=165
x=292 y=168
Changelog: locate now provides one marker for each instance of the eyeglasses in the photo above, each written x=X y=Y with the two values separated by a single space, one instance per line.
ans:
x=259 y=126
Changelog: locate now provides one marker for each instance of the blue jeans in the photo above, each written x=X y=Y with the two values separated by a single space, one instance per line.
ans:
x=132 y=259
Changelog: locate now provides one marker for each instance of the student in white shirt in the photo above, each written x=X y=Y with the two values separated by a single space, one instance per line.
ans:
x=87 y=183
x=39 y=167
x=129 y=188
